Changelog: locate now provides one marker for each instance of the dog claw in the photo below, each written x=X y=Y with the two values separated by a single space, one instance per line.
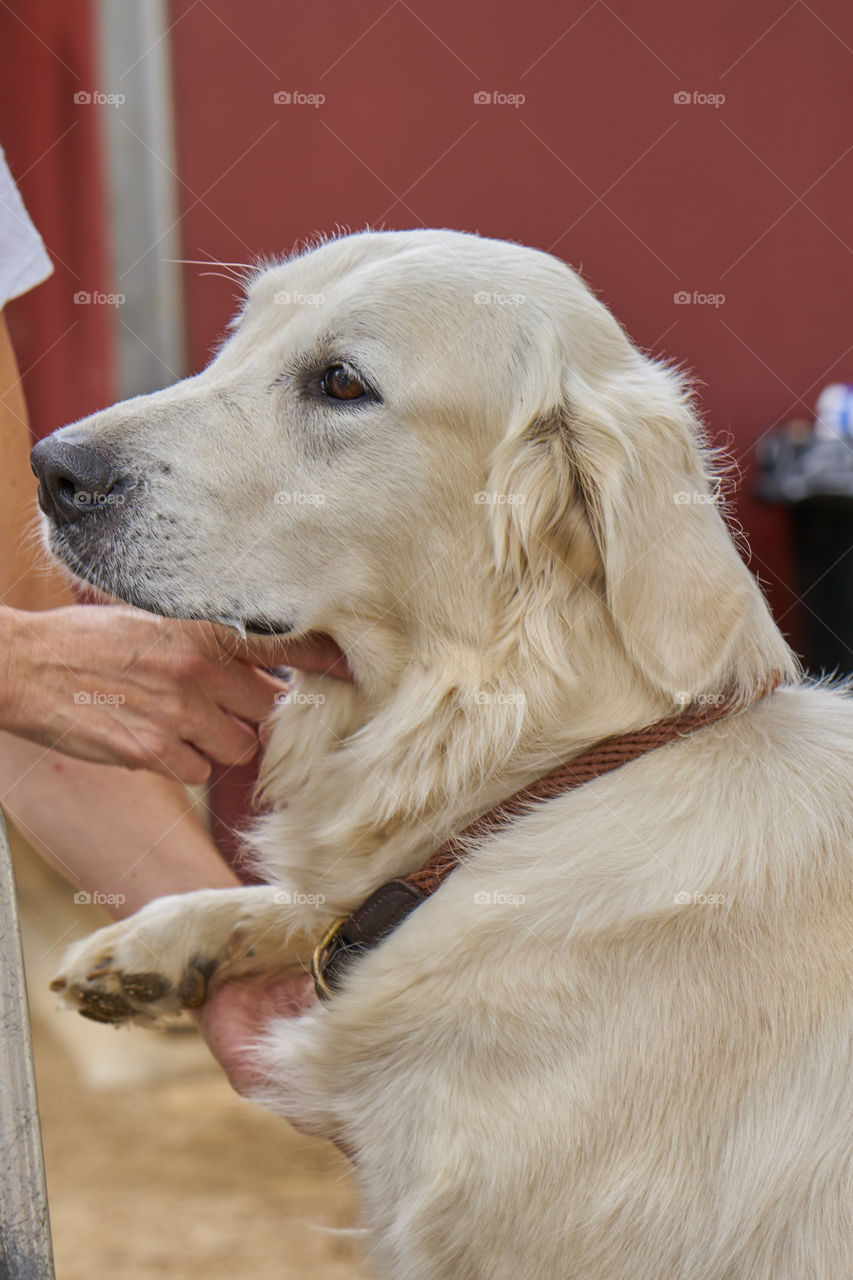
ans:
x=58 y=984
x=95 y=1017
x=192 y=990
x=101 y=1006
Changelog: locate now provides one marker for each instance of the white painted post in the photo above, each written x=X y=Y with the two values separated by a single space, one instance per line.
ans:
x=26 y=1252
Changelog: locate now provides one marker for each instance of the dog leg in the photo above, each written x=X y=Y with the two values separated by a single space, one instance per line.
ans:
x=163 y=959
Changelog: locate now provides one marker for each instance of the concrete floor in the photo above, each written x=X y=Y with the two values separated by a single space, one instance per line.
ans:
x=155 y=1168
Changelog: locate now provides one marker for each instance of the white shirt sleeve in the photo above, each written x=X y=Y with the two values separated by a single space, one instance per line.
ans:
x=23 y=259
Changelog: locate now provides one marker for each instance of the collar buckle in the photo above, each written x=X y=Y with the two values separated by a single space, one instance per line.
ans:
x=328 y=947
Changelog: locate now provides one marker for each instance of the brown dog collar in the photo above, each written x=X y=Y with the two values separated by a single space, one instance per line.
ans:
x=389 y=905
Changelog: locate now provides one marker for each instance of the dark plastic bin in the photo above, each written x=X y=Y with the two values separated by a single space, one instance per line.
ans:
x=814 y=479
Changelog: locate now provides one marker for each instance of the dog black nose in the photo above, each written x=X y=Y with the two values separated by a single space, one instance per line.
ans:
x=75 y=479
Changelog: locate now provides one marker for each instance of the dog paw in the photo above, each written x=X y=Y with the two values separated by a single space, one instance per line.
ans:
x=138 y=970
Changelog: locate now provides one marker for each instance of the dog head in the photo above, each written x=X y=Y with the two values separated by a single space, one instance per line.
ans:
x=417 y=441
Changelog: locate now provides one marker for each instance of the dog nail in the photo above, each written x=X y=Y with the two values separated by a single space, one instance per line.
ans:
x=193 y=986
x=101 y=1006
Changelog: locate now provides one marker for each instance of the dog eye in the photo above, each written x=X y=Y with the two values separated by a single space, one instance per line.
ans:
x=341 y=382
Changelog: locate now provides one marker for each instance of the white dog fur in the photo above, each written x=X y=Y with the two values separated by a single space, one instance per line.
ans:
x=617 y=1043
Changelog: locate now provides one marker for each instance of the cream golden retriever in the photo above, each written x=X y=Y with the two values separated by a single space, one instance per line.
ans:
x=617 y=1043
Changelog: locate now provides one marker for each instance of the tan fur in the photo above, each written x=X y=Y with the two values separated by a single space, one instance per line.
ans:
x=616 y=1044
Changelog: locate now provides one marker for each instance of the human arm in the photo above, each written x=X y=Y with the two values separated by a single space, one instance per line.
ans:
x=123 y=837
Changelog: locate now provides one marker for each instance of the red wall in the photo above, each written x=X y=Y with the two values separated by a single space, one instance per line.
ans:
x=65 y=350
x=750 y=198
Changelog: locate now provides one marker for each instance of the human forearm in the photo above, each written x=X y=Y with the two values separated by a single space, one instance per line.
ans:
x=132 y=836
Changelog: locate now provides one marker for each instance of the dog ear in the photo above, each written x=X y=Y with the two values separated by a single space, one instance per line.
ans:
x=613 y=488
x=676 y=587
x=544 y=544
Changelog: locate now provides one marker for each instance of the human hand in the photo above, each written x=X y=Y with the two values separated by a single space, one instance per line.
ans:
x=114 y=685
x=235 y=1015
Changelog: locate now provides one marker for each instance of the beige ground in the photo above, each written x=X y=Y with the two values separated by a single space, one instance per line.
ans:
x=155 y=1168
